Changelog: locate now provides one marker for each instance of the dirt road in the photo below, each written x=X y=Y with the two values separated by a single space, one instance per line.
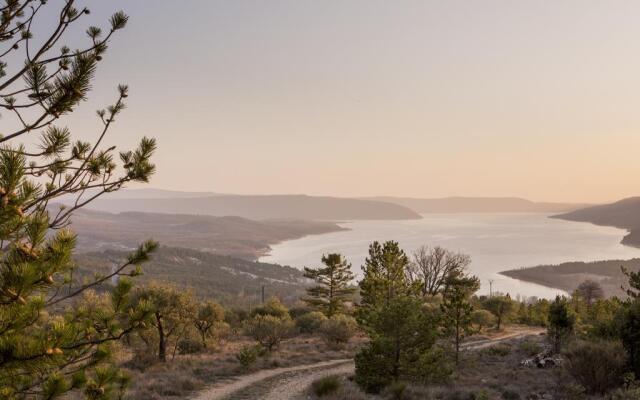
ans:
x=292 y=382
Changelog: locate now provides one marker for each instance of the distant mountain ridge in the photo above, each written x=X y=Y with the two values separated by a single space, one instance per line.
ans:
x=260 y=207
x=624 y=214
x=234 y=236
x=476 y=204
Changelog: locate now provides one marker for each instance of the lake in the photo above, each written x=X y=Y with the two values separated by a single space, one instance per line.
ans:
x=495 y=242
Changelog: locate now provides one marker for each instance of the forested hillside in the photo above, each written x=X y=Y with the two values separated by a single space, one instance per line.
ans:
x=232 y=281
x=567 y=276
x=623 y=214
x=235 y=236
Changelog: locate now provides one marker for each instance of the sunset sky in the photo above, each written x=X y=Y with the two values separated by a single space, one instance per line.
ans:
x=537 y=99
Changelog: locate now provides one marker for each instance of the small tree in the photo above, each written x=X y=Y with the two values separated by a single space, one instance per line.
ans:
x=401 y=329
x=402 y=346
x=209 y=315
x=456 y=308
x=310 y=322
x=590 y=291
x=500 y=306
x=173 y=311
x=432 y=265
x=561 y=322
x=269 y=330
x=333 y=288
x=482 y=318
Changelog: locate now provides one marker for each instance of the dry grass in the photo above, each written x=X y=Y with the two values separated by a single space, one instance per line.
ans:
x=187 y=374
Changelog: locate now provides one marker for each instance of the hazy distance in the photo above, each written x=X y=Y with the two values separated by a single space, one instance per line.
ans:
x=371 y=98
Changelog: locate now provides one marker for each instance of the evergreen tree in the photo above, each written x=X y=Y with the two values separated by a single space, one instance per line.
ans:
x=457 y=309
x=402 y=331
x=385 y=275
x=561 y=322
x=55 y=333
x=333 y=288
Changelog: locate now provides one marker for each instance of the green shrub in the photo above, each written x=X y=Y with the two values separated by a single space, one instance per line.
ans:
x=598 y=366
x=190 y=346
x=248 y=355
x=337 y=330
x=269 y=330
x=326 y=385
x=273 y=307
x=483 y=318
x=310 y=322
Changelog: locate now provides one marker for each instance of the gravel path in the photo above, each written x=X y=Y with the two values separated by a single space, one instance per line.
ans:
x=291 y=383
x=256 y=385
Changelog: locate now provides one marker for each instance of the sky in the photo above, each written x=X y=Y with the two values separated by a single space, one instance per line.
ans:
x=535 y=99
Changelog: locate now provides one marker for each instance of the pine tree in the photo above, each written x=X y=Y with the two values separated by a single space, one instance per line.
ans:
x=561 y=322
x=402 y=331
x=457 y=309
x=55 y=332
x=333 y=289
x=385 y=275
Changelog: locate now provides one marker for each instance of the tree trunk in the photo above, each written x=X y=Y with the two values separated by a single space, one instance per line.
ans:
x=162 y=345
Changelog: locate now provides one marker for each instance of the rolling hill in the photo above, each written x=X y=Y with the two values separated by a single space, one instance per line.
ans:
x=234 y=236
x=263 y=207
x=232 y=281
x=624 y=214
x=476 y=204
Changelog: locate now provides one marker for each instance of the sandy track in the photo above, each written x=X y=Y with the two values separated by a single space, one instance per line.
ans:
x=224 y=390
x=291 y=383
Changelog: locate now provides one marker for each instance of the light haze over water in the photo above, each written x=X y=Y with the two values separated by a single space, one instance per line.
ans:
x=495 y=242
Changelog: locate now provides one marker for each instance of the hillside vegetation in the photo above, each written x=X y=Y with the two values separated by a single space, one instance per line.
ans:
x=623 y=214
x=567 y=276
x=232 y=281
x=233 y=236
x=264 y=207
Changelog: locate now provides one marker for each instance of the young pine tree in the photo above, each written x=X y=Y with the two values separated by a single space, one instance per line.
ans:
x=333 y=289
x=402 y=331
x=457 y=309
x=561 y=323
x=56 y=332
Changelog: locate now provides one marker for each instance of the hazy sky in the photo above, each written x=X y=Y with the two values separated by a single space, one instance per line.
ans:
x=539 y=99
